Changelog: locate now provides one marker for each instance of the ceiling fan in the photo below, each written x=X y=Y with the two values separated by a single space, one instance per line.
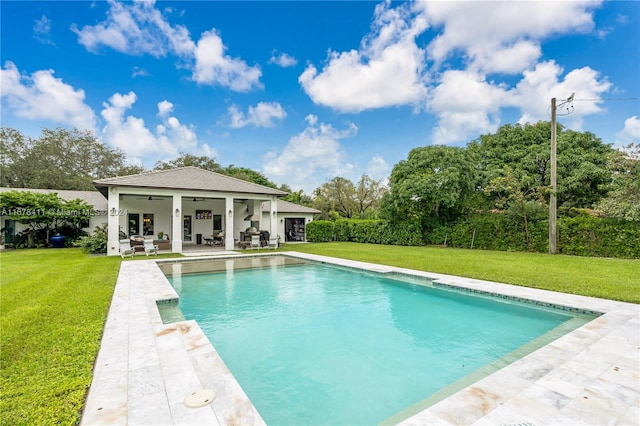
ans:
x=151 y=198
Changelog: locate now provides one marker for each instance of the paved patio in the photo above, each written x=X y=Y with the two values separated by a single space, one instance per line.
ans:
x=146 y=369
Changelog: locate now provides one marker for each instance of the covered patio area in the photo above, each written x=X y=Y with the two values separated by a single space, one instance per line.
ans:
x=187 y=207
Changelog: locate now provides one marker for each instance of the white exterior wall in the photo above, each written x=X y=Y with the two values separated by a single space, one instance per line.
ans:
x=97 y=220
x=280 y=219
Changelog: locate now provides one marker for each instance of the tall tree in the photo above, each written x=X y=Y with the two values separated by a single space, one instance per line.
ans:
x=186 y=160
x=208 y=163
x=297 y=197
x=368 y=194
x=336 y=195
x=433 y=182
x=517 y=192
x=623 y=198
x=249 y=175
x=58 y=159
x=582 y=159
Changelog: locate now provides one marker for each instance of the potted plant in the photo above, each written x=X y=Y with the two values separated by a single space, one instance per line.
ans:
x=160 y=235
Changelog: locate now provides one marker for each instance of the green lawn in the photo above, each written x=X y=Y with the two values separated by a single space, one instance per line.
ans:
x=53 y=304
x=617 y=279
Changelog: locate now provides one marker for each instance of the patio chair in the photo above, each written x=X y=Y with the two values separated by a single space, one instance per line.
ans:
x=150 y=248
x=273 y=242
x=255 y=241
x=125 y=249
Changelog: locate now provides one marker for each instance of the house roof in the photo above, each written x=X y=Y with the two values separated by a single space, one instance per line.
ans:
x=190 y=178
x=95 y=198
x=287 y=207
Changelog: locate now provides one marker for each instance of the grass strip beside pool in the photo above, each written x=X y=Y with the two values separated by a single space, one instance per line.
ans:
x=54 y=305
x=606 y=278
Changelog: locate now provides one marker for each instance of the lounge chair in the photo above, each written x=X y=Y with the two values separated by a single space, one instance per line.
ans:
x=255 y=241
x=125 y=249
x=150 y=248
x=273 y=242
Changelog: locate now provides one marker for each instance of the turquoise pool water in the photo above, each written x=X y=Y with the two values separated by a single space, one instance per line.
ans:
x=316 y=345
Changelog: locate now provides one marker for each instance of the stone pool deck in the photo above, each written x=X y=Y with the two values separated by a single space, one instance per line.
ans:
x=146 y=369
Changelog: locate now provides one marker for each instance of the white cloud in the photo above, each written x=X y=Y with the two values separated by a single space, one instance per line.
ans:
x=378 y=168
x=132 y=136
x=385 y=71
x=534 y=92
x=282 y=59
x=214 y=67
x=141 y=29
x=630 y=133
x=139 y=72
x=164 y=108
x=502 y=36
x=465 y=104
x=262 y=115
x=136 y=29
x=42 y=30
x=41 y=96
x=311 y=156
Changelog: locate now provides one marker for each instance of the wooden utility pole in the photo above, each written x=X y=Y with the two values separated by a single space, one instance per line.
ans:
x=553 y=202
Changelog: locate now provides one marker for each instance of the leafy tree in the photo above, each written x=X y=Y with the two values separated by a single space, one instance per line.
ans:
x=130 y=169
x=208 y=163
x=582 y=159
x=517 y=192
x=44 y=213
x=434 y=182
x=336 y=195
x=248 y=175
x=341 y=198
x=58 y=159
x=367 y=196
x=623 y=198
x=187 y=160
x=297 y=197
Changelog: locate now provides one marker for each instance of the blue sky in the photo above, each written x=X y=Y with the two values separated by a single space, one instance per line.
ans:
x=305 y=91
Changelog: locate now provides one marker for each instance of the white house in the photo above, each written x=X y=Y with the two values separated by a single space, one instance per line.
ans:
x=190 y=205
x=187 y=206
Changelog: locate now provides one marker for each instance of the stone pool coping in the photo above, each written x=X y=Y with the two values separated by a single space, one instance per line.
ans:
x=145 y=369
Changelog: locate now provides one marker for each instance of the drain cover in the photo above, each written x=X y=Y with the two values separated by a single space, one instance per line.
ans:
x=199 y=398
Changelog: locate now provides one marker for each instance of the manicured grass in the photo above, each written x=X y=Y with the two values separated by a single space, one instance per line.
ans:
x=616 y=279
x=54 y=304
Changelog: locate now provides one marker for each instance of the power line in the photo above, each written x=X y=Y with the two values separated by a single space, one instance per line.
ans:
x=607 y=99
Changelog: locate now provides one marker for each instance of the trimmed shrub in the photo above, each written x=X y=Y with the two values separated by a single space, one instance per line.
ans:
x=580 y=235
x=320 y=231
x=597 y=236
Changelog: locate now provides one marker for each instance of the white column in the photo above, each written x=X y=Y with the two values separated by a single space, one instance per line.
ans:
x=229 y=243
x=176 y=212
x=273 y=215
x=113 y=221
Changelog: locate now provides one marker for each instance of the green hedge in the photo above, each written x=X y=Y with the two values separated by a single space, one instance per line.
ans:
x=492 y=232
x=594 y=236
x=320 y=231
x=581 y=235
x=405 y=233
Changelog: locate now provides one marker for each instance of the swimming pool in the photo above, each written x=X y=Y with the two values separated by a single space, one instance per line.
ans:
x=315 y=344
